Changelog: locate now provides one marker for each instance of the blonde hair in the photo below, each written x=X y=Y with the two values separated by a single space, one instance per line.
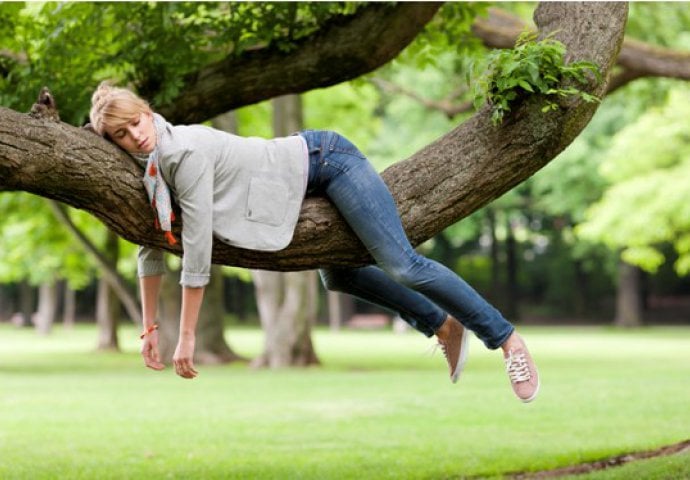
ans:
x=113 y=106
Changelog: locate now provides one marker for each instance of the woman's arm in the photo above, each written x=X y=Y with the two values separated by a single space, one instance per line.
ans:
x=150 y=287
x=189 y=316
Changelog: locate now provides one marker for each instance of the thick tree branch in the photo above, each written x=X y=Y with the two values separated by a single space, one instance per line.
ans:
x=636 y=60
x=442 y=183
x=347 y=48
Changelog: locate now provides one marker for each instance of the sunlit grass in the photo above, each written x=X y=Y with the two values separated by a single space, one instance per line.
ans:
x=380 y=406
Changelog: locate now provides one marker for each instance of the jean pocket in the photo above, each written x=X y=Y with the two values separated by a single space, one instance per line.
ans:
x=343 y=145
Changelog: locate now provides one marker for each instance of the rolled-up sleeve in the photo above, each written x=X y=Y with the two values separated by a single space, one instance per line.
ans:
x=194 y=186
x=150 y=262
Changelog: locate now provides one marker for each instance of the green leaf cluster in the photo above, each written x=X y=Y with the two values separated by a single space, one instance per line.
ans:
x=149 y=46
x=532 y=67
x=647 y=202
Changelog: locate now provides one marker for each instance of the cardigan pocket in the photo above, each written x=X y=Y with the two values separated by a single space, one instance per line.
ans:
x=267 y=201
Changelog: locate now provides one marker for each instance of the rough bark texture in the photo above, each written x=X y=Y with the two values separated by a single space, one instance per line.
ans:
x=347 y=48
x=442 y=183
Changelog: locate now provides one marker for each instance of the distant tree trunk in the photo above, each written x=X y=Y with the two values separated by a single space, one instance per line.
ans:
x=629 y=299
x=287 y=302
x=69 y=306
x=108 y=309
x=210 y=347
x=169 y=304
x=512 y=292
x=47 y=307
x=581 y=290
x=107 y=314
x=495 y=281
x=26 y=303
x=341 y=307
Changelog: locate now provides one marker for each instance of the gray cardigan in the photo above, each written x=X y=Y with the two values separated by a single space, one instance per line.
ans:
x=245 y=191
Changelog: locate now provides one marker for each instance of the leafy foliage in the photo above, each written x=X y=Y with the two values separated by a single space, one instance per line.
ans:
x=532 y=67
x=647 y=202
x=150 y=46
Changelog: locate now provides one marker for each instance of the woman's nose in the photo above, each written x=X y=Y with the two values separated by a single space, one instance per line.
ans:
x=135 y=133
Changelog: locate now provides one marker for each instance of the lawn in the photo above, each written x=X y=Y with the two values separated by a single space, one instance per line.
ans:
x=381 y=406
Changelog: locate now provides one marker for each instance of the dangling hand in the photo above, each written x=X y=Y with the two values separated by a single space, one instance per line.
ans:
x=184 y=357
x=149 y=350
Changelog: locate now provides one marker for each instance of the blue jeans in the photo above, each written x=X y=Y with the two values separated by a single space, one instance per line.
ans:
x=423 y=292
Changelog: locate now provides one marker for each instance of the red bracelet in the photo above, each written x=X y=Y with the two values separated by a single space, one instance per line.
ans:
x=149 y=330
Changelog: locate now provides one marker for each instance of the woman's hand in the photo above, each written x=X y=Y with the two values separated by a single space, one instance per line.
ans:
x=184 y=357
x=149 y=350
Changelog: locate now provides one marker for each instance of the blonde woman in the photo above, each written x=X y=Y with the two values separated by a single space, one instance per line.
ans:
x=248 y=191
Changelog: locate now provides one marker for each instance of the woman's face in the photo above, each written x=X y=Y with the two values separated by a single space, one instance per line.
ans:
x=136 y=136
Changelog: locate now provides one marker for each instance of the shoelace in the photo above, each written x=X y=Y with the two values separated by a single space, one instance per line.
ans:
x=517 y=367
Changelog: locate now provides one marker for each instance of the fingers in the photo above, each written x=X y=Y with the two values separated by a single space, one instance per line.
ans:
x=184 y=367
x=151 y=357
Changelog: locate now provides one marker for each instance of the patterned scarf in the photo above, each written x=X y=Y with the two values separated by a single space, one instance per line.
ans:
x=157 y=190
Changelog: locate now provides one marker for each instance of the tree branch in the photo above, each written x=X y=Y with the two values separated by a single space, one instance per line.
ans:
x=347 y=48
x=442 y=183
x=636 y=59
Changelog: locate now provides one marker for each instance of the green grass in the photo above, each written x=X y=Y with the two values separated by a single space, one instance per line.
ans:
x=380 y=407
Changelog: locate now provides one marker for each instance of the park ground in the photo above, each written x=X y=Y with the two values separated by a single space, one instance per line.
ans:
x=380 y=406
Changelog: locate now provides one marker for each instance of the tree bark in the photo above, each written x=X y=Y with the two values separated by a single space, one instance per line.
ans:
x=47 y=307
x=108 y=309
x=69 y=306
x=628 y=296
x=442 y=183
x=346 y=48
x=285 y=302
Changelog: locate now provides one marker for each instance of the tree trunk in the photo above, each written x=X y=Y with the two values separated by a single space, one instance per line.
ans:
x=69 y=306
x=211 y=347
x=349 y=46
x=108 y=308
x=107 y=313
x=26 y=303
x=495 y=281
x=286 y=301
x=512 y=293
x=47 y=307
x=442 y=183
x=170 y=301
x=628 y=297
x=286 y=309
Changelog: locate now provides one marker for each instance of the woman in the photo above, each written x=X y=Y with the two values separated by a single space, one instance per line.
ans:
x=247 y=192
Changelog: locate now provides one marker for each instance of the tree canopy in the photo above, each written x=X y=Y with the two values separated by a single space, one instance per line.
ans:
x=468 y=167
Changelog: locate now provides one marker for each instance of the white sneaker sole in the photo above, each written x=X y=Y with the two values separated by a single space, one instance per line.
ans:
x=464 y=345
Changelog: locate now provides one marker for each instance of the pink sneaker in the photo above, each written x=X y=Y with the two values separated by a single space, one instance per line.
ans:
x=522 y=372
x=454 y=346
